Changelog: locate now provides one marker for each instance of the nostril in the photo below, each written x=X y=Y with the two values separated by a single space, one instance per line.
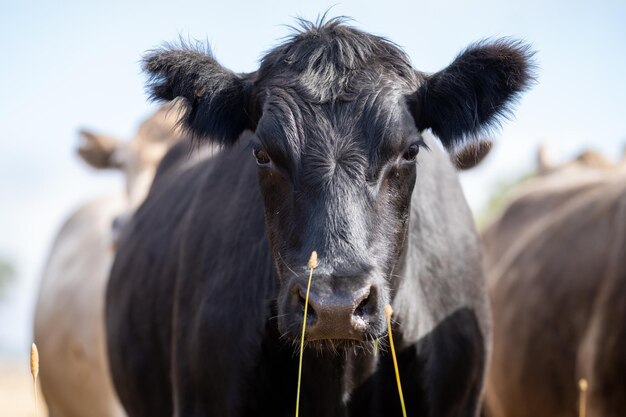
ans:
x=311 y=316
x=301 y=302
x=367 y=306
x=361 y=309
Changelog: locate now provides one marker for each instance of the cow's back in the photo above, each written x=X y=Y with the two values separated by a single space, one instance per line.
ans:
x=532 y=202
x=602 y=356
x=69 y=326
x=547 y=289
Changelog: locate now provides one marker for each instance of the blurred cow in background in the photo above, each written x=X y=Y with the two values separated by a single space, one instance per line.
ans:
x=556 y=266
x=69 y=322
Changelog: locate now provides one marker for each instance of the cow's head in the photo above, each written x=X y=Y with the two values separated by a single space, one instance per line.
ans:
x=338 y=116
x=137 y=158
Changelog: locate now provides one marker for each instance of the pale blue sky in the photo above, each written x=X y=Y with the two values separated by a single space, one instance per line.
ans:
x=75 y=65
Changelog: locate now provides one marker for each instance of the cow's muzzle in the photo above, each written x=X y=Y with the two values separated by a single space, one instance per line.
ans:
x=339 y=308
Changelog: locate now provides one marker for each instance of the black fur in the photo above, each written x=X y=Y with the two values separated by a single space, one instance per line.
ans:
x=203 y=311
x=216 y=97
x=475 y=91
x=330 y=61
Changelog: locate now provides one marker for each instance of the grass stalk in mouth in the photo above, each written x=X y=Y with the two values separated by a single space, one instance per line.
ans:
x=388 y=313
x=312 y=265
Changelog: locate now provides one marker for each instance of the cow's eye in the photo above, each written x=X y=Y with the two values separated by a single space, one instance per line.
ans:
x=411 y=153
x=262 y=157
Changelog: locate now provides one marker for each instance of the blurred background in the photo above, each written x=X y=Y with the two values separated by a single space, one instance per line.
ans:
x=73 y=65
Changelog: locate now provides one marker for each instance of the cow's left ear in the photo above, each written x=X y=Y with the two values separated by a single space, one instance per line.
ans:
x=217 y=99
x=474 y=92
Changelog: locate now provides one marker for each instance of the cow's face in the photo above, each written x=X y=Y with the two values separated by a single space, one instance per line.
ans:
x=338 y=182
x=337 y=116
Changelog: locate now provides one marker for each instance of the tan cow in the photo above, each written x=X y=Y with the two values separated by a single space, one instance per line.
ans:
x=556 y=265
x=69 y=317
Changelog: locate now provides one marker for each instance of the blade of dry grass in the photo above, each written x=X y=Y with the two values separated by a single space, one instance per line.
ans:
x=312 y=265
x=582 y=406
x=34 y=370
x=388 y=313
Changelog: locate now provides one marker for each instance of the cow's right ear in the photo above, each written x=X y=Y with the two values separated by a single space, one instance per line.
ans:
x=475 y=92
x=216 y=98
x=97 y=150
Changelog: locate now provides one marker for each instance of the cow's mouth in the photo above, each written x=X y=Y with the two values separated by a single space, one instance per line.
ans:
x=369 y=346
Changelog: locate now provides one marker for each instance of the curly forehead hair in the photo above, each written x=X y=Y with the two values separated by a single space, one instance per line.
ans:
x=328 y=61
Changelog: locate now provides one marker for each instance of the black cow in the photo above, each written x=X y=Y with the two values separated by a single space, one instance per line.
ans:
x=324 y=152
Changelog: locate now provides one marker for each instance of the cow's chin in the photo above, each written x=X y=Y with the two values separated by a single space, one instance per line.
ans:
x=362 y=344
x=338 y=346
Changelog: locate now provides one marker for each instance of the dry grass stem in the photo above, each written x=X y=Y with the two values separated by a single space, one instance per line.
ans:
x=34 y=370
x=388 y=313
x=582 y=407
x=312 y=265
